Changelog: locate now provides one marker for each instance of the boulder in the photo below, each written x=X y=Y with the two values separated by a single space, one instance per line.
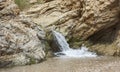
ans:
x=21 y=40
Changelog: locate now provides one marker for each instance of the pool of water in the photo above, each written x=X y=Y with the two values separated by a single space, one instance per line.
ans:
x=60 y=64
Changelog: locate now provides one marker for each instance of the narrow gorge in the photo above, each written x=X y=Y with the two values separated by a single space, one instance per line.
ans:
x=37 y=31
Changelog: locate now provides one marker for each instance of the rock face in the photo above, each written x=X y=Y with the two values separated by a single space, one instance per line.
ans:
x=8 y=9
x=21 y=40
x=79 y=20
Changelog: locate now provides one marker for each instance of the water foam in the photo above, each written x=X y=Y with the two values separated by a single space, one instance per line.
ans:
x=83 y=52
x=67 y=51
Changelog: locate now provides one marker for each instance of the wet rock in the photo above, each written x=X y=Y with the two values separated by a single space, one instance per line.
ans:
x=4 y=63
x=53 y=43
x=59 y=54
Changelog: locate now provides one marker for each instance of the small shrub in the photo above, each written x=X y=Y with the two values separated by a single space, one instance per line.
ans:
x=25 y=3
x=22 y=4
x=40 y=1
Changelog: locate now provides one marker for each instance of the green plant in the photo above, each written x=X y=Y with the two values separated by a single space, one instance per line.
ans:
x=32 y=61
x=40 y=1
x=22 y=3
x=25 y=3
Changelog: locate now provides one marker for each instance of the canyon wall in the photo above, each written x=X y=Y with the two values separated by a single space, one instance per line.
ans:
x=92 y=22
x=95 y=23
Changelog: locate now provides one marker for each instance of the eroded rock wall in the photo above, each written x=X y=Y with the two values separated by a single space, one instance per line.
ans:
x=78 y=20
x=21 y=40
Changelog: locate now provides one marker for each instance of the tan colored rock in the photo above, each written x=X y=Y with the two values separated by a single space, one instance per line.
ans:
x=2 y=4
x=60 y=12
x=32 y=1
x=78 y=20
x=87 y=18
x=21 y=41
x=8 y=8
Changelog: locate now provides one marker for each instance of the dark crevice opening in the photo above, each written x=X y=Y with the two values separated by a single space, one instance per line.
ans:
x=105 y=36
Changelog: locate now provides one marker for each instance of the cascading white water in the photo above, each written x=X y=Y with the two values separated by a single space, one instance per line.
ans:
x=60 y=40
x=67 y=51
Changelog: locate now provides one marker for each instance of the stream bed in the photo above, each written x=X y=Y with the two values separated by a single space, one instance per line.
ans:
x=68 y=64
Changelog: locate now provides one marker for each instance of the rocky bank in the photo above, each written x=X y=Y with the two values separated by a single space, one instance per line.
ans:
x=21 y=40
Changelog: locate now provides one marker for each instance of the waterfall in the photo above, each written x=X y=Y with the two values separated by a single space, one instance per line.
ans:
x=67 y=51
x=60 y=40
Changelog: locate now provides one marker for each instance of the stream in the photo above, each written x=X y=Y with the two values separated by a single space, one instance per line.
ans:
x=59 y=64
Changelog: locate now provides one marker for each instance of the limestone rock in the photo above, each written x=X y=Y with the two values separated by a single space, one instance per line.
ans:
x=78 y=20
x=8 y=9
x=19 y=42
x=32 y=1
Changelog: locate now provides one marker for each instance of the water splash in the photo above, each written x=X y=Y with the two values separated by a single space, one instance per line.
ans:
x=67 y=51
x=83 y=52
